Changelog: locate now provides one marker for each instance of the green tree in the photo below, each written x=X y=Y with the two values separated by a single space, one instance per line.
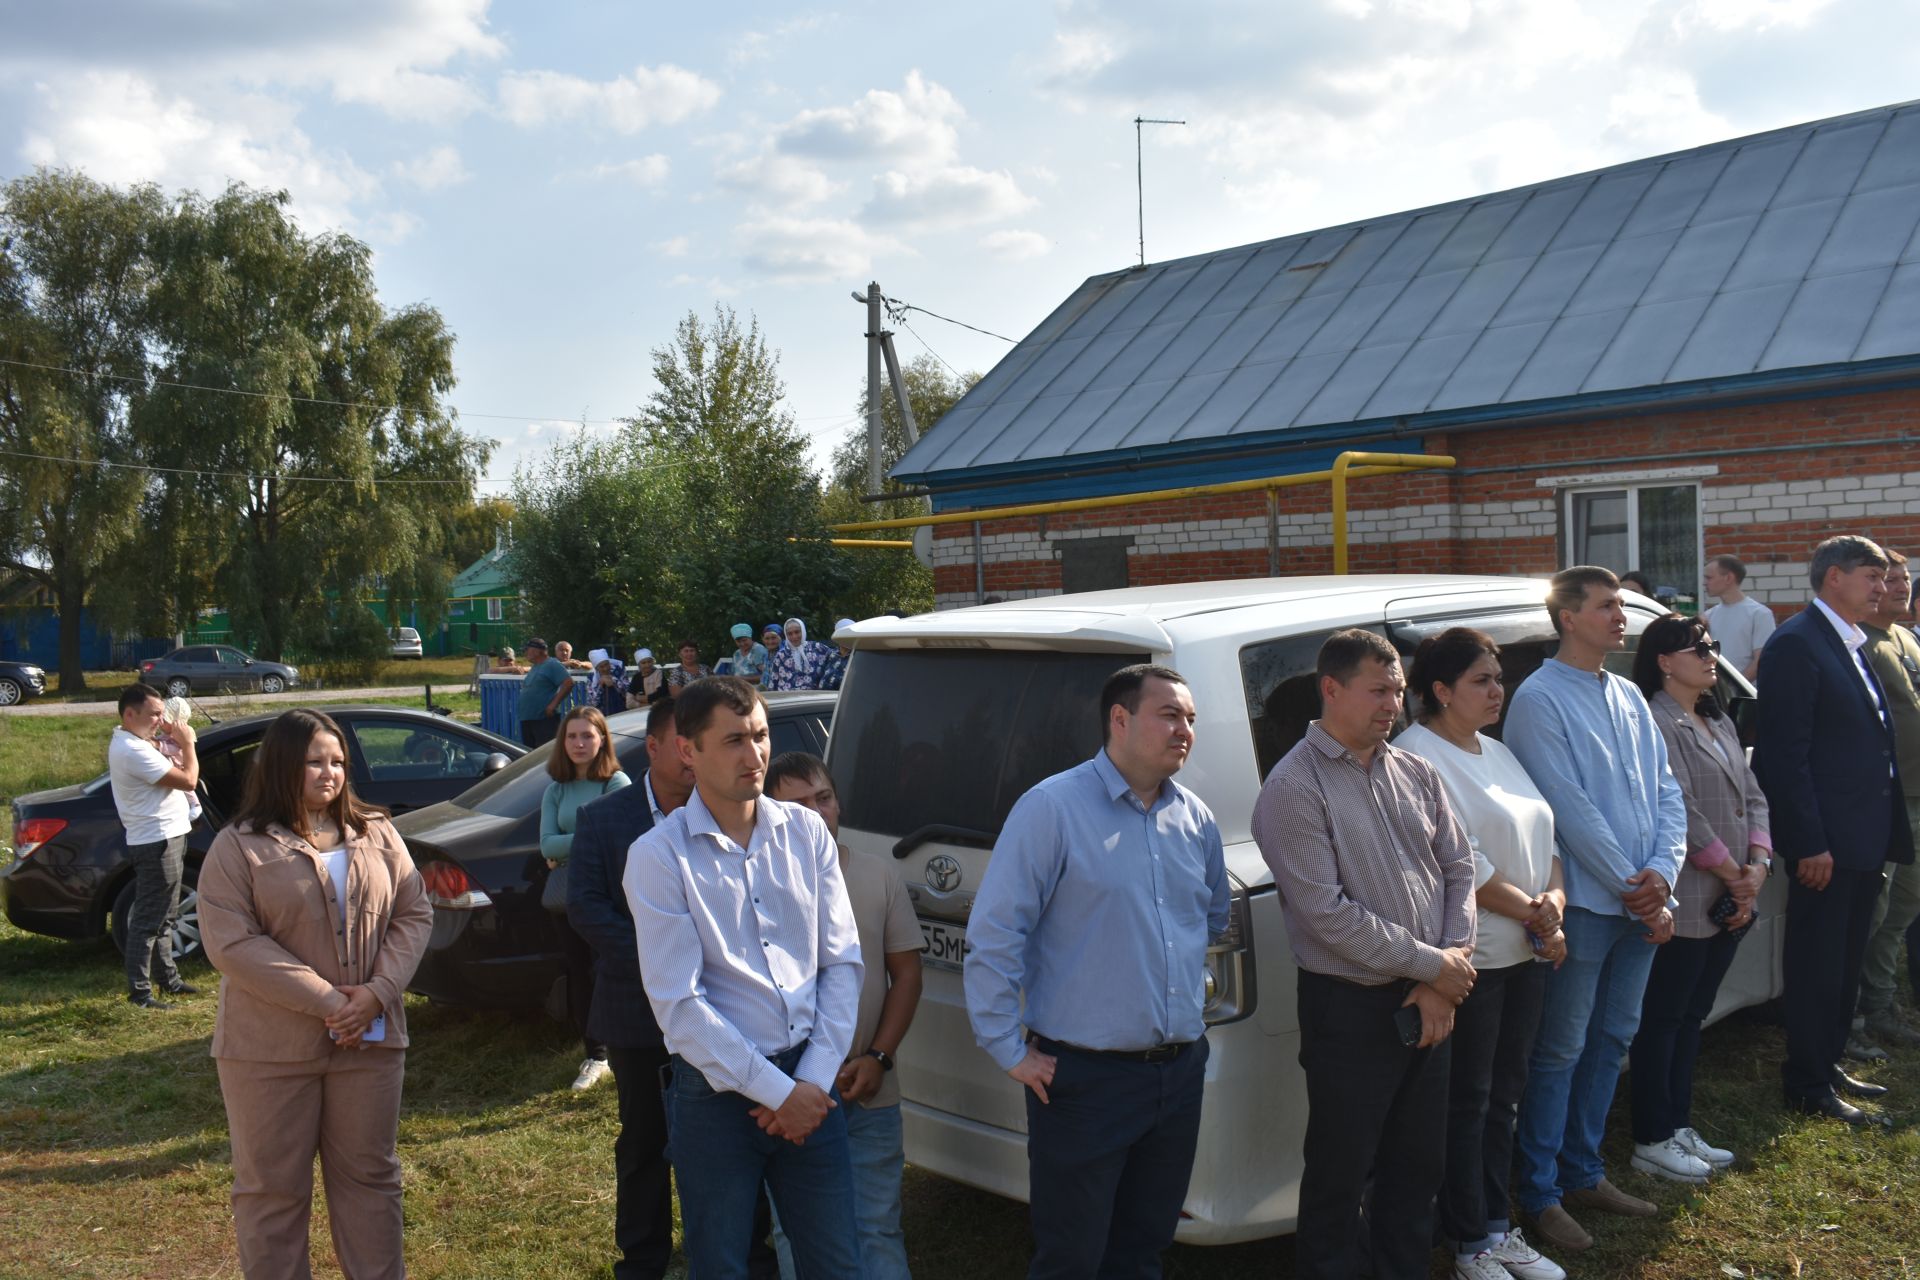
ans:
x=306 y=426
x=705 y=513
x=884 y=581
x=75 y=279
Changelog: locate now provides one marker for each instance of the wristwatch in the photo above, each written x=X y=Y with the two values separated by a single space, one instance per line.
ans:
x=882 y=1057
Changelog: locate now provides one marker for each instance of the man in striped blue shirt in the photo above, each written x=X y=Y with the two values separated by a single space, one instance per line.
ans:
x=1106 y=885
x=751 y=962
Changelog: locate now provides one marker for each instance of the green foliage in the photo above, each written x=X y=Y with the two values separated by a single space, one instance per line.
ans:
x=75 y=274
x=342 y=644
x=888 y=581
x=704 y=513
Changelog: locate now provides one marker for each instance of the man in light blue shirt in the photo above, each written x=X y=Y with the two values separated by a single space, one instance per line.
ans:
x=1587 y=739
x=1106 y=885
x=751 y=961
x=546 y=686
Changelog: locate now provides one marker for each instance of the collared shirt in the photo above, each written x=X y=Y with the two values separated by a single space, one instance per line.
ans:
x=1855 y=640
x=1099 y=910
x=1374 y=873
x=1589 y=743
x=1895 y=655
x=653 y=801
x=747 y=953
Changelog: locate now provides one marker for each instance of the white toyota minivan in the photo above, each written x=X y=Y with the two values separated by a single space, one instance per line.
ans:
x=945 y=719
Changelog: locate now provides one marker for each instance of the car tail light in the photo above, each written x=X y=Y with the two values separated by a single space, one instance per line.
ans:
x=1229 y=990
x=146 y=668
x=34 y=832
x=450 y=887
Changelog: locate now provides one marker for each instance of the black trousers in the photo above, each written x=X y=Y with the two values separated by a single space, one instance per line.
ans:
x=1491 y=1044
x=1681 y=988
x=157 y=869
x=643 y=1181
x=536 y=732
x=1827 y=935
x=578 y=956
x=1108 y=1160
x=1375 y=1108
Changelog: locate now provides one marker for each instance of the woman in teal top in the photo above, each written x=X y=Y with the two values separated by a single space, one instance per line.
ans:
x=583 y=768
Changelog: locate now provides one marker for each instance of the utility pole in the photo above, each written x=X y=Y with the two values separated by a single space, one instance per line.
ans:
x=1139 y=180
x=874 y=434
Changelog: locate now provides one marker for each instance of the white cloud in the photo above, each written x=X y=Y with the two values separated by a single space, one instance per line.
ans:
x=1016 y=246
x=954 y=196
x=440 y=167
x=777 y=179
x=647 y=171
x=918 y=126
x=1736 y=15
x=627 y=104
x=712 y=285
x=672 y=247
x=120 y=128
x=790 y=250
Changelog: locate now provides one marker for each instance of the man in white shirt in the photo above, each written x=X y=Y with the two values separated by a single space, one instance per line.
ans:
x=1739 y=622
x=751 y=961
x=150 y=792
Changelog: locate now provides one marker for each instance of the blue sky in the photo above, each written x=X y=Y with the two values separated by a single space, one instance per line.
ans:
x=564 y=181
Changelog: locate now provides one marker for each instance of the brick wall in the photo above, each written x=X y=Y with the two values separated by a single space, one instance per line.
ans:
x=1766 y=497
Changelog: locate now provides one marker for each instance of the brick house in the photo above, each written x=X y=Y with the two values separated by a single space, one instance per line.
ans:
x=1712 y=351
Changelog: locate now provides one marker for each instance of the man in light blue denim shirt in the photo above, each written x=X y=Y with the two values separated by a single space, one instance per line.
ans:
x=1588 y=741
x=1106 y=885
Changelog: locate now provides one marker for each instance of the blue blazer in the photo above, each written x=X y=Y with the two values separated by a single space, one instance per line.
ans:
x=603 y=831
x=1823 y=755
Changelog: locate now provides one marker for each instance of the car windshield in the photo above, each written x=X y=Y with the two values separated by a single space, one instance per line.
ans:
x=925 y=737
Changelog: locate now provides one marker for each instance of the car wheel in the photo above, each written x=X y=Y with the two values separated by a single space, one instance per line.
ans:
x=11 y=692
x=272 y=684
x=179 y=687
x=186 y=924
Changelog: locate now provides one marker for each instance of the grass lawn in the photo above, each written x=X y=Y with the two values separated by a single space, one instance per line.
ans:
x=114 y=1159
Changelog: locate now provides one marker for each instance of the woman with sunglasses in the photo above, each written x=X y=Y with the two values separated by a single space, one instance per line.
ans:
x=1517 y=889
x=1729 y=854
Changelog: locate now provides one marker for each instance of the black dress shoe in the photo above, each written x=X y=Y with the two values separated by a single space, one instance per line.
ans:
x=146 y=1001
x=1834 y=1109
x=1856 y=1088
x=183 y=989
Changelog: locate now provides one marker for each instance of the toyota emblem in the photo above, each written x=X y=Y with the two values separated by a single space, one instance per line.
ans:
x=943 y=874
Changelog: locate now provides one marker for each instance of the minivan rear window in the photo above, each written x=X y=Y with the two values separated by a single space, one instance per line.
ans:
x=954 y=738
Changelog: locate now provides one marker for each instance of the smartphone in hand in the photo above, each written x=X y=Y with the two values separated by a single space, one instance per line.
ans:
x=1406 y=1020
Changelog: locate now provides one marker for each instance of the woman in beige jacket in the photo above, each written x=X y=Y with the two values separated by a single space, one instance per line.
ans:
x=313 y=913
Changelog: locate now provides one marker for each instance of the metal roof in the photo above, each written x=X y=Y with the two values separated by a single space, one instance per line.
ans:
x=1783 y=258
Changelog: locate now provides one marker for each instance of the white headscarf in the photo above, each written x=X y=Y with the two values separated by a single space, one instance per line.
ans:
x=800 y=666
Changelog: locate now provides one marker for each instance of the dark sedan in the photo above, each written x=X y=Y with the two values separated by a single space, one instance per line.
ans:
x=69 y=876
x=216 y=668
x=494 y=946
x=20 y=681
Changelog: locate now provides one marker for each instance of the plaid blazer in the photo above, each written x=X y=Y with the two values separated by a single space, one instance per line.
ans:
x=1726 y=811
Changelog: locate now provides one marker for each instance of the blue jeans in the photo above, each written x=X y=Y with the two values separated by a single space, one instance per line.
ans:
x=1592 y=1010
x=874 y=1145
x=721 y=1158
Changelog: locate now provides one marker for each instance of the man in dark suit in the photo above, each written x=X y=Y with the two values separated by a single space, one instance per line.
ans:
x=620 y=1016
x=1824 y=752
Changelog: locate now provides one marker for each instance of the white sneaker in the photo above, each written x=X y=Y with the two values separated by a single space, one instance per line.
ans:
x=1523 y=1260
x=1700 y=1149
x=1479 y=1266
x=592 y=1072
x=1670 y=1160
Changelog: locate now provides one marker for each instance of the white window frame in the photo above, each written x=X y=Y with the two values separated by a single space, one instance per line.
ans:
x=1631 y=483
x=494 y=610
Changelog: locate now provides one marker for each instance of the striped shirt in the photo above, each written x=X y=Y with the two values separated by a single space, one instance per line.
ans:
x=1375 y=874
x=748 y=952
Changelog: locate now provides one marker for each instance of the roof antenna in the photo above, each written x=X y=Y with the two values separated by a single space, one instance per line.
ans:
x=1139 y=184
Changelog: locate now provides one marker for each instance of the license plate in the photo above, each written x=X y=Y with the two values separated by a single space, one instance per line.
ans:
x=946 y=945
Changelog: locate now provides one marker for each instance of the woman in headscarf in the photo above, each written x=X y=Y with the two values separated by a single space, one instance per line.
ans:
x=801 y=663
x=648 y=683
x=836 y=669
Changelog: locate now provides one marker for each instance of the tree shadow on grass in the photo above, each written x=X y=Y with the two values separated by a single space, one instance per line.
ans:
x=50 y=1169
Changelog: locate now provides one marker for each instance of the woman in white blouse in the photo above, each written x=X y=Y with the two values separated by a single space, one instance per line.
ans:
x=1456 y=676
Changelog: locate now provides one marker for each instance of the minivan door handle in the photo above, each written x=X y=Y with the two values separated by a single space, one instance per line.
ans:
x=907 y=843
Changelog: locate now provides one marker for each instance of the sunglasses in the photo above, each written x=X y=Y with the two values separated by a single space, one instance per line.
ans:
x=1705 y=650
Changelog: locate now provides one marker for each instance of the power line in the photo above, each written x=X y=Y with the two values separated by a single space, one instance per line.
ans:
x=898 y=307
x=338 y=404
x=902 y=322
